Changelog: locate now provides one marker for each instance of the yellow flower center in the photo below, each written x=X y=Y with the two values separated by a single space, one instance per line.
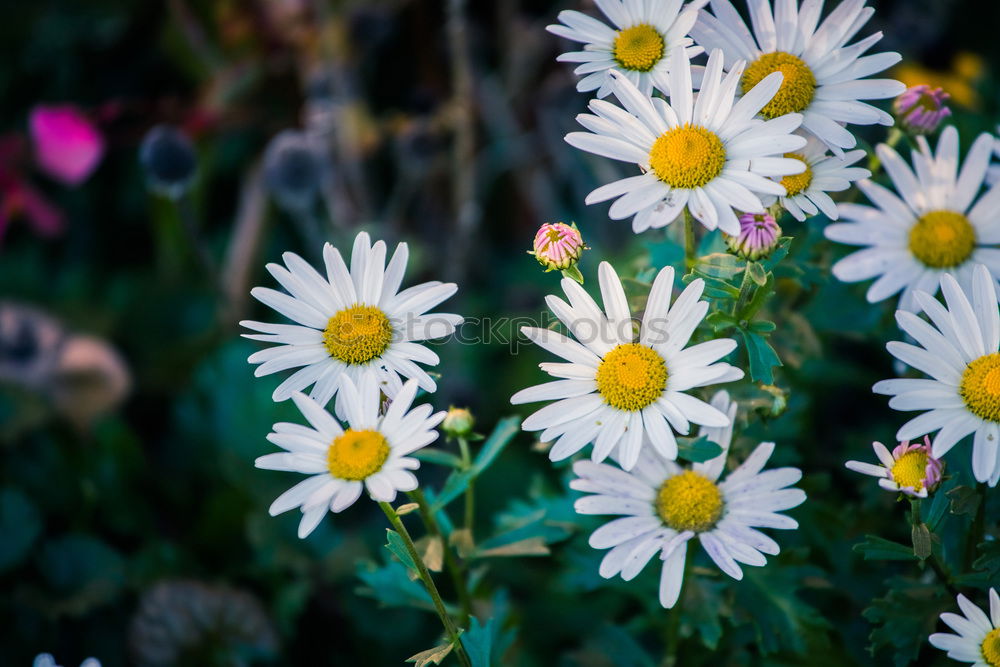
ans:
x=796 y=183
x=689 y=501
x=910 y=469
x=991 y=647
x=980 y=387
x=639 y=48
x=797 y=87
x=631 y=377
x=942 y=239
x=358 y=334
x=687 y=157
x=357 y=454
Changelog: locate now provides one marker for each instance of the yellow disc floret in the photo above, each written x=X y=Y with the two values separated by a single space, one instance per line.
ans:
x=796 y=183
x=942 y=239
x=980 y=387
x=797 y=87
x=358 y=334
x=688 y=156
x=911 y=469
x=639 y=48
x=631 y=377
x=991 y=647
x=689 y=501
x=356 y=455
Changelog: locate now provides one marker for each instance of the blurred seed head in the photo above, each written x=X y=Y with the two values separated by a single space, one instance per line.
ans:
x=46 y=660
x=182 y=622
x=83 y=377
x=758 y=237
x=293 y=170
x=920 y=109
x=168 y=156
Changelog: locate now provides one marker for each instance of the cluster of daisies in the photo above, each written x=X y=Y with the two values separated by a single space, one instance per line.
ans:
x=762 y=125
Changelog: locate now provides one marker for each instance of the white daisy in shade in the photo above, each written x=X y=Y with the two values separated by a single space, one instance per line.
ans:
x=960 y=350
x=639 y=45
x=708 y=154
x=665 y=505
x=933 y=225
x=619 y=390
x=371 y=453
x=978 y=635
x=806 y=193
x=824 y=77
x=908 y=469
x=350 y=324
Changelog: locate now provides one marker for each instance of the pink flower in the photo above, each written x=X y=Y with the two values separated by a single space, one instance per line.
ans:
x=558 y=246
x=67 y=145
x=921 y=109
x=910 y=468
x=759 y=235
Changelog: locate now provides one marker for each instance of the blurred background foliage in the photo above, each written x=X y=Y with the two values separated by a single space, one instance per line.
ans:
x=133 y=525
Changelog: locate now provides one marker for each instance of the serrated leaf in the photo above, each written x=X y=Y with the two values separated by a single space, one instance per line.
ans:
x=391 y=586
x=720 y=321
x=486 y=643
x=904 y=618
x=877 y=548
x=781 y=620
x=762 y=357
x=720 y=265
x=989 y=559
x=964 y=500
x=704 y=608
x=697 y=450
x=432 y=656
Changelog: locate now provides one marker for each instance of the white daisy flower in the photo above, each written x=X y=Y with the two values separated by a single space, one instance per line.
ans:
x=665 y=505
x=640 y=45
x=806 y=193
x=354 y=324
x=978 y=635
x=824 y=78
x=934 y=225
x=620 y=390
x=960 y=350
x=371 y=453
x=707 y=154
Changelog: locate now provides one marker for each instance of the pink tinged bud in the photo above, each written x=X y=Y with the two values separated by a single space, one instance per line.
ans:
x=558 y=246
x=759 y=235
x=921 y=109
x=933 y=468
x=67 y=145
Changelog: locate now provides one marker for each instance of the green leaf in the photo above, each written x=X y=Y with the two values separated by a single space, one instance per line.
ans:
x=778 y=254
x=532 y=546
x=458 y=481
x=704 y=608
x=573 y=273
x=432 y=656
x=877 y=548
x=20 y=525
x=438 y=456
x=768 y=600
x=391 y=586
x=761 y=355
x=757 y=273
x=486 y=643
x=720 y=321
x=720 y=265
x=697 y=450
x=760 y=295
x=964 y=500
x=397 y=547
x=82 y=571
x=989 y=559
x=618 y=647
x=921 y=537
x=904 y=618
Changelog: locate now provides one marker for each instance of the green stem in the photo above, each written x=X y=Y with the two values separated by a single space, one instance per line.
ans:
x=189 y=223
x=449 y=625
x=470 y=500
x=690 y=250
x=875 y=162
x=745 y=288
x=450 y=562
x=932 y=560
x=978 y=531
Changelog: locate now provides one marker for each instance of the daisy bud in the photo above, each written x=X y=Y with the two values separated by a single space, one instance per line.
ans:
x=458 y=423
x=558 y=246
x=920 y=109
x=759 y=234
x=170 y=160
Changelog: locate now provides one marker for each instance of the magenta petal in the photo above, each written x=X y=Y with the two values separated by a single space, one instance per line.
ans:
x=67 y=145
